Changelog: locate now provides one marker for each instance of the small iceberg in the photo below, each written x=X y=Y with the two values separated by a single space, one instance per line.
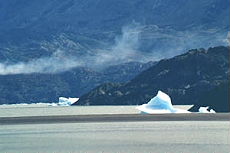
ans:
x=160 y=104
x=63 y=101
x=205 y=110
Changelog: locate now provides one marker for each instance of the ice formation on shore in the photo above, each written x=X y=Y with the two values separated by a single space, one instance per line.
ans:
x=67 y=101
x=160 y=104
x=205 y=110
x=61 y=102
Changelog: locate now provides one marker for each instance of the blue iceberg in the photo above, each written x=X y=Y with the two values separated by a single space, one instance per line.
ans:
x=160 y=104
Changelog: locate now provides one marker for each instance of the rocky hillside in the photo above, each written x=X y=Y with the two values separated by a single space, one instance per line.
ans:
x=33 y=29
x=186 y=78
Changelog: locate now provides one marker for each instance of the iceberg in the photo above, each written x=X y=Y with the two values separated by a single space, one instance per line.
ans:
x=66 y=101
x=160 y=104
x=205 y=110
x=61 y=102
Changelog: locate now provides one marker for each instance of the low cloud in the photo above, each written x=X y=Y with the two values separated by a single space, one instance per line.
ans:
x=123 y=50
x=135 y=43
x=57 y=62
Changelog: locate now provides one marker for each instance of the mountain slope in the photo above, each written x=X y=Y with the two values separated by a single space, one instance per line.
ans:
x=217 y=99
x=109 y=14
x=32 y=29
x=185 y=78
x=32 y=88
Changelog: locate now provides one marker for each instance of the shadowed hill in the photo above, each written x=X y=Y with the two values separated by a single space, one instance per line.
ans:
x=186 y=78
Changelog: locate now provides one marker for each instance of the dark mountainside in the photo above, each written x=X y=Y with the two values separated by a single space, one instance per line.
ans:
x=31 y=29
x=187 y=78
x=32 y=88
x=217 y=98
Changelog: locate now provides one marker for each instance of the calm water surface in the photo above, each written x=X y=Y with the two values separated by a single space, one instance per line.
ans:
x=117 y=137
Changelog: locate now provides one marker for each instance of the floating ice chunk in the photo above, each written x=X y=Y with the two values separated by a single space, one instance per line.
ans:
x=212 y=111
x=67 y=101
x=160 y=104
x=52 y=104
x=205 y=110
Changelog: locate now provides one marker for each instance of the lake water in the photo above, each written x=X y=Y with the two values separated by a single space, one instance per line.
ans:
x=109 y=137
x=117 y=137
x=44 y=110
